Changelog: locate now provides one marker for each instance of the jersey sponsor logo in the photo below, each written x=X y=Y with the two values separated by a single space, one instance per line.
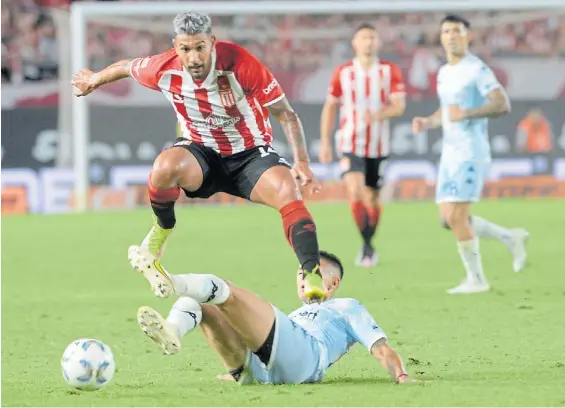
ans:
x=308 y=315
x=216 y=122
x=270 y=87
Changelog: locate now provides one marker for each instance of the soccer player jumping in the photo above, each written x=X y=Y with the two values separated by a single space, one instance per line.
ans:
x=370 y=92
x=253 y=338
x=469 y=93
x=222 y=96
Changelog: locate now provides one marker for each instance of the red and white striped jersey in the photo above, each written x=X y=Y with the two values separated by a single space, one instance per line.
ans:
x=227 y=111
x=360 y=91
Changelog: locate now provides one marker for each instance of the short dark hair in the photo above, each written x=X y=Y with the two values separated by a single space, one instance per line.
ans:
x=328 y=256
x=455 y=18
x=363 y=26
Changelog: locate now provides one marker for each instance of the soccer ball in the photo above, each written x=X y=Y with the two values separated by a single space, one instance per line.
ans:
x=88 y=364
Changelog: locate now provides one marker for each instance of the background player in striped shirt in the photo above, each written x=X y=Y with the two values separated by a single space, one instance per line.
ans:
x=222 y=96
x=369 y=92
x=469 y=93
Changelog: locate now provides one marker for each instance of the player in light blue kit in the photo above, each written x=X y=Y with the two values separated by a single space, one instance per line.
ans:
x=254 y=339
x=469 y=93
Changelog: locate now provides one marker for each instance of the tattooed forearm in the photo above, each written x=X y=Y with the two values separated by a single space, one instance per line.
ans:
x=497 y=105
x=294 y=132
x=292 y=128
x=116 y=71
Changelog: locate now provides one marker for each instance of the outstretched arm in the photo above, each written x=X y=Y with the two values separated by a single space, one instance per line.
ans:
x=87 y=81
x=391 y=361
x=367 y=332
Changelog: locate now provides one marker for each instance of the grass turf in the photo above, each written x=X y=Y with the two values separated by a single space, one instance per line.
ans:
x=66 y=277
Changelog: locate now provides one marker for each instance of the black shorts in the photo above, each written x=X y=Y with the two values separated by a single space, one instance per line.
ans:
x=236 y=174
x=372 y=167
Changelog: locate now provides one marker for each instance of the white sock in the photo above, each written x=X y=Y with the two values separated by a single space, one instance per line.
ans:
x=185 y=315
x=471 y=257
x=487 y=229
x=202 y=288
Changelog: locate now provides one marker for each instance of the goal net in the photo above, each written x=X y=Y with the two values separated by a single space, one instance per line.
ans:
x=118 y=130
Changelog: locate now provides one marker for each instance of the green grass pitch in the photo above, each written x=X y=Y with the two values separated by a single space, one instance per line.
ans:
x=66 y=277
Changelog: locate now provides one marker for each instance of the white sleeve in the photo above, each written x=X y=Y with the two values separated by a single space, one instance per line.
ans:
x=362 y=326
x=486 y=80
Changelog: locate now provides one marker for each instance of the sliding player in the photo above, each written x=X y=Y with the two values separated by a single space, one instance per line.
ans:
x=469 y=93
x=370 y=92
x=254 y=339
x=222 y=96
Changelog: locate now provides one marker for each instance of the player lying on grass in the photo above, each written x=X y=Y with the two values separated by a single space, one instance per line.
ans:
x=222 y=96
x=254 y=339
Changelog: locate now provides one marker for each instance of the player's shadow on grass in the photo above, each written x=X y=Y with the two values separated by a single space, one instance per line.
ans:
x=356 y=380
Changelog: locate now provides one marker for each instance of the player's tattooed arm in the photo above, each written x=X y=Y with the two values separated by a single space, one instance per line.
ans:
x=391 y=361
x=87 y=81
x=498 y=104
x=292 y=128
x=115 y=72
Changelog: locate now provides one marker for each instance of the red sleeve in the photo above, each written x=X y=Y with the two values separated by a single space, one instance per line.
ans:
x=335 y=84
x=256 y=79
x=396 y=80
x=148 y=70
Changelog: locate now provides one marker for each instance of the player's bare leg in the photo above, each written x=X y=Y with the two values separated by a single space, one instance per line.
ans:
x=362 y=201
x=249 y=315
x=224 y=340
x=185 y=315
x=514 y=239
x=278 y=189
x=457 y=217
x=173 y=169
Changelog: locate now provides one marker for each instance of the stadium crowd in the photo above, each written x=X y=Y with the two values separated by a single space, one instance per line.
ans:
x=293 y=44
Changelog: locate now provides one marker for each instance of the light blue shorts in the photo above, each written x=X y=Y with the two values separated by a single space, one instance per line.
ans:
x=295 y=357
x=460 y=182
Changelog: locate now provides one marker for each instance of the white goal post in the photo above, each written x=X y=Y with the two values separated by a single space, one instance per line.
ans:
x=83 y=12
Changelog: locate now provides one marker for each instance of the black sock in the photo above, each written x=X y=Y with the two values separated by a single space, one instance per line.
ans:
x=300 y=231
x=305 y=244
x=165 y=213
x=367 y=233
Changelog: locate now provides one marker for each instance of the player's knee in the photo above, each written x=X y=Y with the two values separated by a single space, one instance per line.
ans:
x=288 y=191
x=457 y=216
x=356 y=193
x=372 y=198
x=166 y=167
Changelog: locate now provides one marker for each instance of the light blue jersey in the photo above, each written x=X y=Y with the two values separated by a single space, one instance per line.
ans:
x=312 y=338
x=466 y=150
